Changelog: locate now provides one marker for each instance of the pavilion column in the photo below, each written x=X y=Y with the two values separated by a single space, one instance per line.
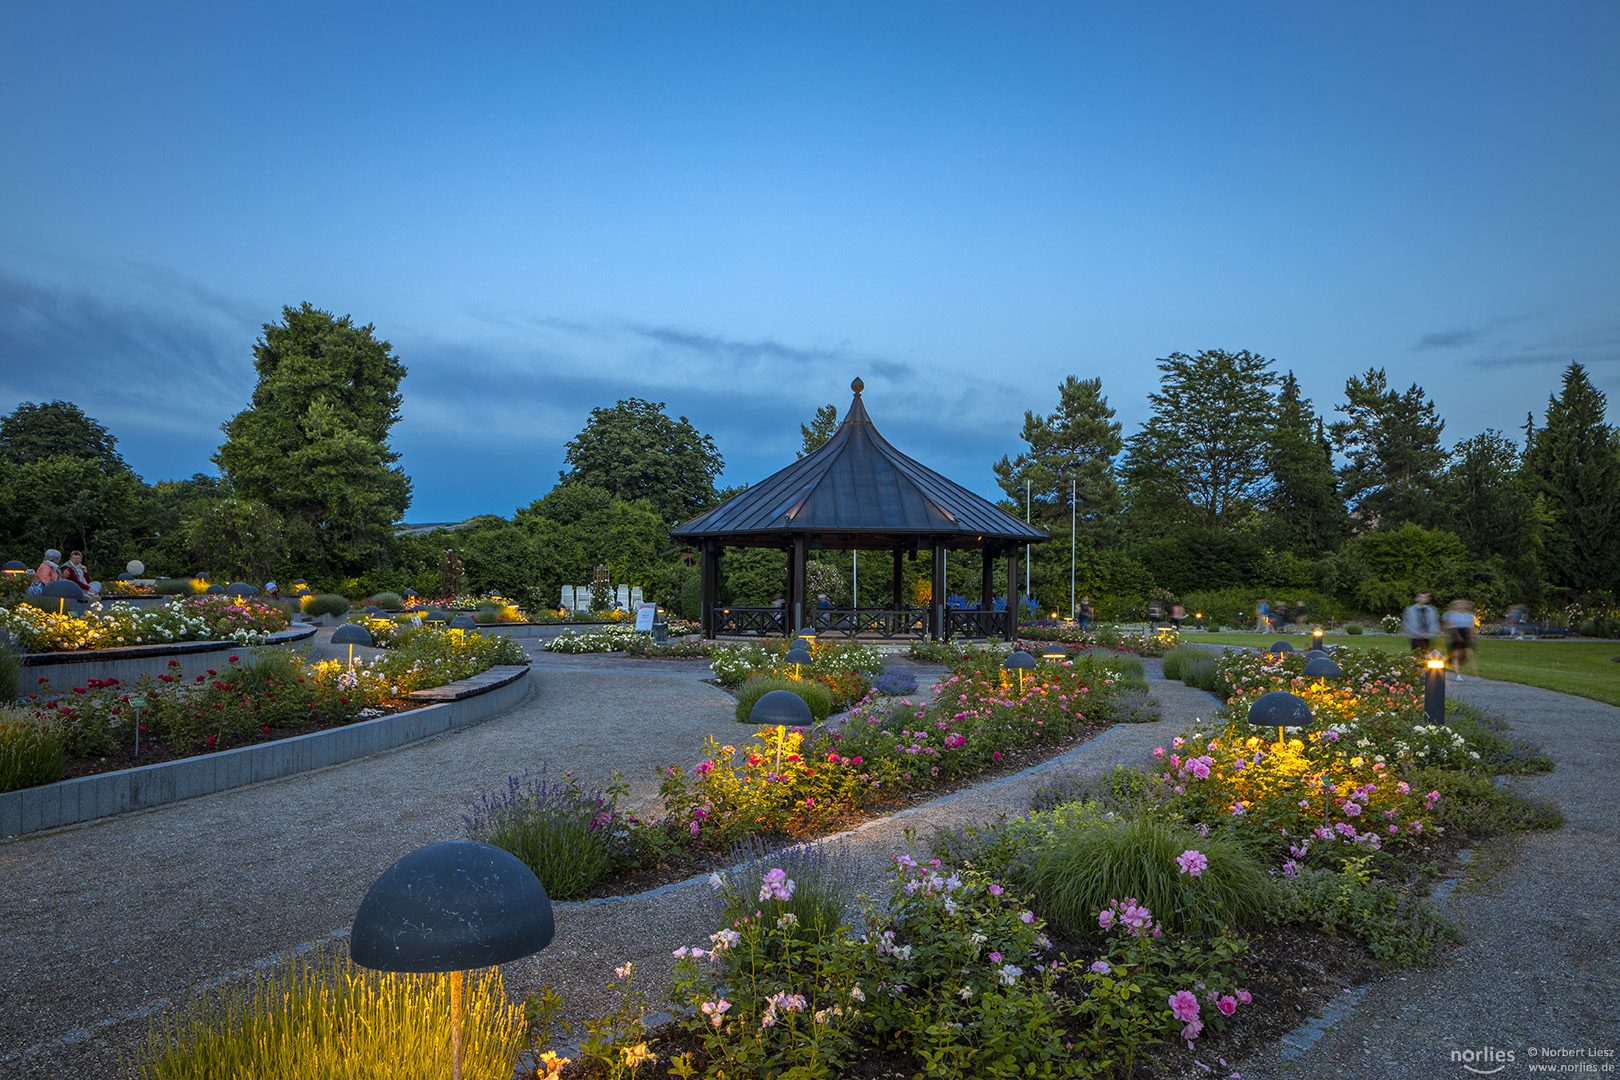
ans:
x=987 y=581
x=796 y=600
x=937 y=600
x=710 y=586
x=899 y=558
x=1013 y=600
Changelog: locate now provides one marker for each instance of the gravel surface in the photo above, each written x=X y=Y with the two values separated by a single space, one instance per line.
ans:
x=107 y=923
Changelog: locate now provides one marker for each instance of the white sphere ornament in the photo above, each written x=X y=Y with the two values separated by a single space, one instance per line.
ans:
x=136 y=568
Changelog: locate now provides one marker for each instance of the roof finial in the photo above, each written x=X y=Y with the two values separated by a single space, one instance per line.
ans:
x=857 y=385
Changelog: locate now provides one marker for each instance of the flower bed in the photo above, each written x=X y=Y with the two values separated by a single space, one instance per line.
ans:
x=244 y=699
x=244 y=620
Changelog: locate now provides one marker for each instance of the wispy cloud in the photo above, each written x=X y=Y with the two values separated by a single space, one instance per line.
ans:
x=1448 y=339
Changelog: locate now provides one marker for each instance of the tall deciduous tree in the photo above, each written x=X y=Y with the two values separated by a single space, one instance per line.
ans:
x=32 y=433
x=820 y=428
x=63 y=484
x=1076 y=443
x=313 y=444
x=1574 y=462
x=634 y=451
x=1306 y=514
x=1201 y=458
x=1392 y=441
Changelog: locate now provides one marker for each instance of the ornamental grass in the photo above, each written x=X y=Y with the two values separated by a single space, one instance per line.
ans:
x=326 y=1019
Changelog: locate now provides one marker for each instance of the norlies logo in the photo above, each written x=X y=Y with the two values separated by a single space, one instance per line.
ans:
x=1497 y=1060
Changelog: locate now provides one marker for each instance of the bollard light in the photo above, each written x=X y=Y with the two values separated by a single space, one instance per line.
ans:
x=449 y=907
x=1200 y=617
x=1316 y=638
x=1434 y=688
x=1020 y=662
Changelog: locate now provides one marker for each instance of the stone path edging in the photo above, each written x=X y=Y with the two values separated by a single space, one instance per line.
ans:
x=87 y=798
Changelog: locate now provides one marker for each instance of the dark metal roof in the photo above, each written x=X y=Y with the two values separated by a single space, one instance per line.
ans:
x=858 y=491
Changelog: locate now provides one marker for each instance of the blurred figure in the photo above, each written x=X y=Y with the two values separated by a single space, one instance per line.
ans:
x=1514 y=620
x=1459 y=625
x=1421 y=622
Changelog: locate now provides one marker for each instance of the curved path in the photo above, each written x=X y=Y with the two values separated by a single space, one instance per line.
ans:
x=105 y=923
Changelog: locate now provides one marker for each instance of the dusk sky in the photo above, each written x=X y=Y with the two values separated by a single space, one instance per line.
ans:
x=737 y=208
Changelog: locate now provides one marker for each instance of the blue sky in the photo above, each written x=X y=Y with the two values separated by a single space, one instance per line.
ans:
x=737 y=208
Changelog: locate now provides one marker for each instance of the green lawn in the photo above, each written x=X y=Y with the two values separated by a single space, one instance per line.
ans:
x=1584 y=668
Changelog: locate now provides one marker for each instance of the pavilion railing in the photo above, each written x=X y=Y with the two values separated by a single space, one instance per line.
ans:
x=731 y=621
x=985 y=624
x=871 y=622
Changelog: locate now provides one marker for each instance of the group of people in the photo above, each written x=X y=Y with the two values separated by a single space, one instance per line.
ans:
x=1273 y=620
x=54 y=569
x=1423 y=623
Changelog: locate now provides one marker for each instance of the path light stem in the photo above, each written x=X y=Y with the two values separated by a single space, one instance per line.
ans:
x=455 y=1025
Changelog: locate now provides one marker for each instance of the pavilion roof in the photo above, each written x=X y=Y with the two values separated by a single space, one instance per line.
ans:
x=857 y=490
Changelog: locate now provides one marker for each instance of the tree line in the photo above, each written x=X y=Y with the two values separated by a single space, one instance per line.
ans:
x=1235 y=482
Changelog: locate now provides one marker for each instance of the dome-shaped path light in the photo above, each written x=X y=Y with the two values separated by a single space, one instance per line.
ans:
x=351 y=634
x=1280 y=648
x=62 y=590
x=447 y=908
x=1323 y=667
x=463 y=622
x=1020 y=662
x=240 y=588
x=798 y=658
x=1280 y=709
x=781 y=708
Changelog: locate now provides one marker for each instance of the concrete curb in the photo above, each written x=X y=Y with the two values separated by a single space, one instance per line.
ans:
x=87 y=798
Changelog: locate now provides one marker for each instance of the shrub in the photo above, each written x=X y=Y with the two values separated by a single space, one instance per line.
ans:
x=1354 y=629
x=895 y=684
x=388 y=601
x=11 y=669
x=173 y=587
x=1499 y=754
x=1475 y=802
x=327 y=604
x=935 y=652
x=323 y=1017
x=1121 y=790
x=1175 y=661
x=564 y=835
x=1202 y=672
x=1080 y=871
x=1398 y=928
x=825 y=880
x=1003 y=848
x=30 y=751
x=815 y=695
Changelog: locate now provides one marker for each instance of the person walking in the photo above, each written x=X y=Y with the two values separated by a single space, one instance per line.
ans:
x=1262 y=617
x=1087 y=613
x=1459 y=626
x=1421 y=622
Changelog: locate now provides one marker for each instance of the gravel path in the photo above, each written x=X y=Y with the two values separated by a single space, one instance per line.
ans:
x=108 y=922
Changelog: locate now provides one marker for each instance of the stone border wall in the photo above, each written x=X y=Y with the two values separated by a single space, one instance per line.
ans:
x=89 y=797
x=67 y=670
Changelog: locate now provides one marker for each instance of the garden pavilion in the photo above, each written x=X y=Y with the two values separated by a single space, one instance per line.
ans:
x=857 y=492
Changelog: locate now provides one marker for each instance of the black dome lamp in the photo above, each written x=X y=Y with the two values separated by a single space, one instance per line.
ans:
x=1280 y=709
x=1020 y=662
x=781 y=708
x=449 y=907
x=351 y=634
x=62 y=590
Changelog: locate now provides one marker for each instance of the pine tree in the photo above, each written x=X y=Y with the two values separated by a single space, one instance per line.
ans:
x=1573 y=460
x=1307 y=515
x=1076 y=443
x=1395 y=457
